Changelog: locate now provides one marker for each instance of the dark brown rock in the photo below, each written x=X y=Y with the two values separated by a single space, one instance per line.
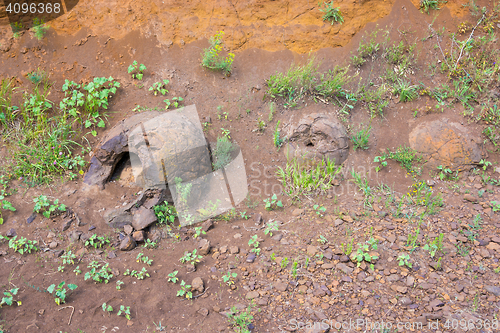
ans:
x=143 y=218
x=197 y=284
x=207 y=225
x=127 y=244
x=138 y=236
x=258 y=219
x=67 y=224
x=204 y=247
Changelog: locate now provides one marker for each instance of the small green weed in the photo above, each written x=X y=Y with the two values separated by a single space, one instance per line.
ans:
x=172 y=277
x=136 y=70
x=165 y=213
x=97 y=273
x=331 y=13
x=43 y=205
x=140 y=275
x=270 y=227
x=8 y=298
x=211 y=56
x=39 y=28
x=175 y=102
x=185 y=291
x=405 y=91
x=273 y=203
x=97 y=241
x=404 y=260
x=222 y=152
x=191 y=257
x=124 y=311
x=241 y=322
x=360 y=138
x=59 y=292
x=255 y=243
x=229 y=277
x=159 y=88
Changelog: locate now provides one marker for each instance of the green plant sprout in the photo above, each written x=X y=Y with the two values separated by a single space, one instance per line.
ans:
x=273 y=203
x=8 y=298
x=43 y=205
x=185 y=291
x=403 y=259
x=60 y=291
x=255 y=243
x=119 y=284
x=97 y=241
x=140 y=257
x=270 y=227
x=140 y=275
x=21 y=245
x=320 y=210
x=228 y=278
x=159 y=88
x=125 y=311
x=191 y=258
x=294 y=269
x=322 y=240
x=198 y=231
x=97 y=273
x=331 y=13
x=39 y=28
x=136 y=70
x=172 y=277
x=107 y=308
x=5 y=205
x=276 y=137
x=68 y=259
x=175 y=102
x=284 y=263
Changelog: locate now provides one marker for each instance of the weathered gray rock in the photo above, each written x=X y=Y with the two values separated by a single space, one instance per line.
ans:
x=493 y=289
x=112 y=148
x=74 y=236
x=128 y=229
x=318 y=136
x=11 y=232
x=143 y=218
x=120 y=217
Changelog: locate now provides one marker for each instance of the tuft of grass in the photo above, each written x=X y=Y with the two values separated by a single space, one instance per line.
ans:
x=302 y=80
x=299 y=179
x=425 y=5
x=277 y=140
x=222 y=153
x=331 y=13
x=360 y=138
x=405 y=91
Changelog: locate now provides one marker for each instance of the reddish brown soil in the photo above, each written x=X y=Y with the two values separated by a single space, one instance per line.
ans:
x=101 y=39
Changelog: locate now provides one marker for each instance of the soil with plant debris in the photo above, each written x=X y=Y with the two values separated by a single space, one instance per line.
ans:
x=387 y=248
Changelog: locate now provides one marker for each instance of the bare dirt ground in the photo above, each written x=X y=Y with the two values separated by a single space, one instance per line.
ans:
x=102 y=38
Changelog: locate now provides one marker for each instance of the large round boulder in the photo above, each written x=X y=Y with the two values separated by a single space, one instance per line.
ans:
x=318 y=136
x=446 y=143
